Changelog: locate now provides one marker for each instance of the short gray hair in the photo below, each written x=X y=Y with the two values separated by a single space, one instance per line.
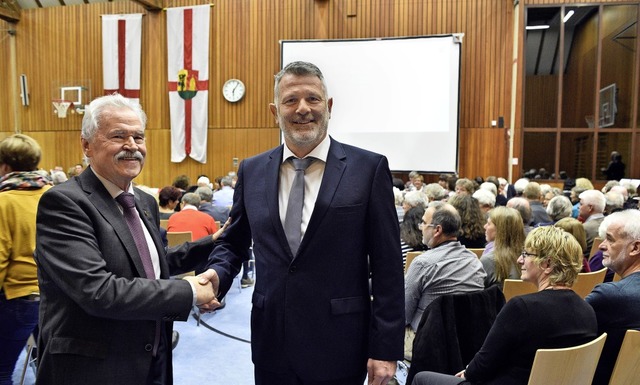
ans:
x=205 y=192
x=92 y=118
x=192 y=199
x=559 y=207
x=629 y=219
x=298 y=68
x=594 y=198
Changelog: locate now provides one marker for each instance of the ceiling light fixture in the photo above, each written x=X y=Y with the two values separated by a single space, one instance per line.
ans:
x=568 y=16
x=535 y=27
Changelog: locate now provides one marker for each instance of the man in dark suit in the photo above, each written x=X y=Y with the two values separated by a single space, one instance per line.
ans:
x=314 y=319
x=107 y=304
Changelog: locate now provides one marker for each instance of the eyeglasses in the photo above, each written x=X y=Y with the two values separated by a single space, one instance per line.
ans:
x=524 y=254
x=422 y=225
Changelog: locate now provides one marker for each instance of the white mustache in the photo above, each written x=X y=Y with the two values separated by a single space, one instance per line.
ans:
x=128 y=154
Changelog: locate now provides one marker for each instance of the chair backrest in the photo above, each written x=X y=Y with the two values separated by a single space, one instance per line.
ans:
x=627 y=369
x=567 y=366
x=477 y=252
x=164 y=223
x=587 y=281
x=178 y=237
x=516 y=287
x=595 y=246
x=410 y=256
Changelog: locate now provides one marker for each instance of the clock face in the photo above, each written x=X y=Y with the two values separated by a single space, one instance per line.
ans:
x=233 y=90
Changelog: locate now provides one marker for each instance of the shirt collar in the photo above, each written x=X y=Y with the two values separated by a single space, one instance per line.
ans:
x=113 y=190
x=321 y=151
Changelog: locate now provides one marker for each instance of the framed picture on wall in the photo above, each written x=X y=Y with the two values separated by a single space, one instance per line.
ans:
x=608 y=106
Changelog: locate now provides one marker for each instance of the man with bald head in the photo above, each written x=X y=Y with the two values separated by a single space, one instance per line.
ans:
x=446 y=268
x=617 y=304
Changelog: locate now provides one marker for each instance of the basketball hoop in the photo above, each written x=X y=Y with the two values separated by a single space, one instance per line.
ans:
x=61 y=107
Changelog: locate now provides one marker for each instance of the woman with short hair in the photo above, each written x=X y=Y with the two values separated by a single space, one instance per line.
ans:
x=553 y=317
x=21 y=187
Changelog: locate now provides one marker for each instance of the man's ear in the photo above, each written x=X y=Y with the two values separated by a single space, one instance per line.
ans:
x=274 y=111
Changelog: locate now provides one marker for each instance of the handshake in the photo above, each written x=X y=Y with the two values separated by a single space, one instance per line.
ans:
x=207 y=286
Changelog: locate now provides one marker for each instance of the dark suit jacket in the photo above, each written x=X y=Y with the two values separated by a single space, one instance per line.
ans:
x=452 y=329
x=97 y=316
x=312 y=312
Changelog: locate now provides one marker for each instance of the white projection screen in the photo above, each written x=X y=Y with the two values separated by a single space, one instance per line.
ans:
x=398 y=96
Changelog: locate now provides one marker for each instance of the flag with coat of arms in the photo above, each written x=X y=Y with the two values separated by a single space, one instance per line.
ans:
x=188 y=70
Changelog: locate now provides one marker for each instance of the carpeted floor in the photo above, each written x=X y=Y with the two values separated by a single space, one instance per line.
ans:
x=207 y=356
x=204 y=356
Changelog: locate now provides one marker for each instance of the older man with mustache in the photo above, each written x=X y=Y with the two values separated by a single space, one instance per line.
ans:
x=107 y=303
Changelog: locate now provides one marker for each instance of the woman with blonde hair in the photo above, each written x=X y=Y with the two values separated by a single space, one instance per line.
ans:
x=553 y=317
x=21 y=187
x=575 y=228
x=505 y=229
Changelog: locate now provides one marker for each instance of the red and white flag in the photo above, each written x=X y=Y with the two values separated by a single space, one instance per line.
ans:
x=188 y=65
x=121 y=48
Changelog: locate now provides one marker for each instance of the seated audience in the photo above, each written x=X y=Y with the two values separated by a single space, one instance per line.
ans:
x=558 y=207
x=465 y=186
x=629 y=202
x=486 y=199
x=218 y=213
x=591 y=212
x=168 y=199
x=575 y=228
x=435 y=192
x=532 y=193
x=446 y=268
x=519 y=186
x=413 y=199
x=504 y=228
x=473 y=220
x=617 y=304
x=190 y=219
x=522 y=206
x=410 y=234
x=224 y=196
x=554 y=317
x=614 y=201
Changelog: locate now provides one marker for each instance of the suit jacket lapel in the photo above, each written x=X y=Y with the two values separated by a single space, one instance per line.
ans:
x=103 y=202
x=333 y=171
x=272 y=182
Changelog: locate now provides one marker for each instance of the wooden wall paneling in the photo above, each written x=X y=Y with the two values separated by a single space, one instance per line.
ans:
x=6 y=109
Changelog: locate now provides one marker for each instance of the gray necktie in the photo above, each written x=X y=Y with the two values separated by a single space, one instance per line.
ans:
x=128 y=203
x=293 y=218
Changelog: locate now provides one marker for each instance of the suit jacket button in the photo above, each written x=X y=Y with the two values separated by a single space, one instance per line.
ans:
x=292 y=269
x=148 y=347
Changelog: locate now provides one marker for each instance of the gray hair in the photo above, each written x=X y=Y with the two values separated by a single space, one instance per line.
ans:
x=93 y=113
x=559 y=207
x=434 y=191
x=594 y=198
x=447 y=217
x=414 y=198
x=192 y=199
x=629 y=219
x=485 y=197
x=298 y=68
x=614 y=200
x=227 y=181
x=491 y=187
x=205 y=192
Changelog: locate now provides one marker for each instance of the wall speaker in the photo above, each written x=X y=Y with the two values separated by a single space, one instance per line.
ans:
x=24 y=90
